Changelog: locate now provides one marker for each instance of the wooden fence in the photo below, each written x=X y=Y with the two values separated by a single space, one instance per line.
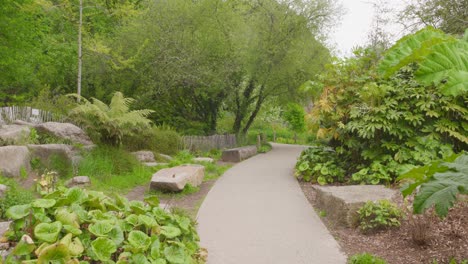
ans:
x=207 y=143
x=28 y=114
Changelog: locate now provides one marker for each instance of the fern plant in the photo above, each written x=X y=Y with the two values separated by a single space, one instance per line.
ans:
x=110 y=123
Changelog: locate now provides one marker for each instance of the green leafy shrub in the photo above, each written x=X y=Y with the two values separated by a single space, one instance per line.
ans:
x=319 y=164
x=110 y=123
x=74 y=225
x=379 y=215
x=365 y=258
x=113 y=168
x=15 y=195
x=159 y=139
x=440 y=182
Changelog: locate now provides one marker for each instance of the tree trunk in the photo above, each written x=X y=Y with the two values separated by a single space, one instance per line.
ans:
x=80 y=24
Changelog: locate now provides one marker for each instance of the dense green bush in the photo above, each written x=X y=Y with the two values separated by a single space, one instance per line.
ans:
x=365 y=258
x=78 y=226
x=159 y=139
x=384 y=125
x=113 y=168
x=320 y=164
x=379 y=215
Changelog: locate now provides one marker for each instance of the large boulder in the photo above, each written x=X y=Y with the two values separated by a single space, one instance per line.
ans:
x=175 y=179
x=79 y=181
x=238 y=154
x=14 y=160
x=203 y=159
x=66 y=131
x=14 y=134
x=45 y=152
x=144 y=156
x=341 y=203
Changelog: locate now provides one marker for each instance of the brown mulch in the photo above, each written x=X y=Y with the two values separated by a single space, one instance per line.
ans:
x=434 y=239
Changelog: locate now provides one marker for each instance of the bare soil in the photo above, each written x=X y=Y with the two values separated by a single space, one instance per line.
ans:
x=420 y=239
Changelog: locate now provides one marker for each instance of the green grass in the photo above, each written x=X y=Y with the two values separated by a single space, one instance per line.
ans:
x=15 y=195
x=114 y=169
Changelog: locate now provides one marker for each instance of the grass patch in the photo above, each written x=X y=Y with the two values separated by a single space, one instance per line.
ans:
x=113 y=169
x=15 y=195
x=188 y=189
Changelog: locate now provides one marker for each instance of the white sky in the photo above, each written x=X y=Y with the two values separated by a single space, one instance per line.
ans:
x=356 y=24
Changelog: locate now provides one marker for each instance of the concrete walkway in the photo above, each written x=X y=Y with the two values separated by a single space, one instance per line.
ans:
x=257 y=214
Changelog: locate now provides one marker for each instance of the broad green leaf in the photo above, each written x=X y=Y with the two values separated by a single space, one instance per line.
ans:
x=303 y=166
x=18 y=211
x=24 y=247
x=71 y=229
x=175 y=254
x=103 y=248
x=138 y=207
x=133 y=220
x=67 y=218
x=152 y=200
x=183 y=222
x=441 y=192
x=41 y=217
x=147 y=221
x=43 y=203
x=76 y=196
x=55 y=253
x=155 y=248
x=117 y=235
x=48 y=232
x=139 y=240
x=100 y=228
x=74 y=246
x=140 y=258
x=170 y=231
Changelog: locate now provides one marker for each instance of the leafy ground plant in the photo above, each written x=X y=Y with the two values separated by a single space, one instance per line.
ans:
x=319 y=164
x=78 y=226
x=379 y=215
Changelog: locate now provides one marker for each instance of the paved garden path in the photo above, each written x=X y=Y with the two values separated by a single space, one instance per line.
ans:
x=257 y=214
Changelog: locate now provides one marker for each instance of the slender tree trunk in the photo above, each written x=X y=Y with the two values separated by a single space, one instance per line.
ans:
x=79 y=51
x=253 y=115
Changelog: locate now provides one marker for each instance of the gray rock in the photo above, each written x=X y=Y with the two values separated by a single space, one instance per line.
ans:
x=4 y=226
x=203 y=159
x=23 y=123
x=79 y=181
x=46 y=151
x=144 y=156
x=341 y=203
x=175 y=179
x=66 y=131
x=238 y=154
x=3 y=190
x=14 y=159
x=166 y=157
x=14 y=134
x=154 y=164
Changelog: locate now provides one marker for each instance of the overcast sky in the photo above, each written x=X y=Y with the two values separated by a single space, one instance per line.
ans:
x=356 y=24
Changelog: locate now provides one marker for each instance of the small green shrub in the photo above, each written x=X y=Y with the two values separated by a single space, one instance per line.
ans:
x=159 y=139
x=319 y=164
x=379 y=215
x=15 y=195
x=75 y=225
x=365 y=258
x=265 y=147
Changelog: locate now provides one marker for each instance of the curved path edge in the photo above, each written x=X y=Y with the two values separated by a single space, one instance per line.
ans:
x=257 y=214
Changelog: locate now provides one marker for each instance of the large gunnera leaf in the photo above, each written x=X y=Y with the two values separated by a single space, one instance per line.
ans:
x=18 y=211
x=443 y=188
x=48 y=232
x=170 y=231
x=447 y=64
x=55 y=253
x=139 y=240
x=175 y=254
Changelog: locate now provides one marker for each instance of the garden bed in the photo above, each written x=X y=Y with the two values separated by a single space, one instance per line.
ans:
x=446 y=239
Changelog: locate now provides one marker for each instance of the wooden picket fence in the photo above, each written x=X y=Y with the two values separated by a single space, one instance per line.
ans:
x=207 y=143
x=28 y=114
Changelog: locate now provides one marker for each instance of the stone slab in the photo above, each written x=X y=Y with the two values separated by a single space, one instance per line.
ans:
x=79 y=181
x=203 y=159
x=154 y=164
x=175 y=179
x=14 y=134
x=342 y=202
x=144 y=156
x=66 y=131
x=238 y=154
